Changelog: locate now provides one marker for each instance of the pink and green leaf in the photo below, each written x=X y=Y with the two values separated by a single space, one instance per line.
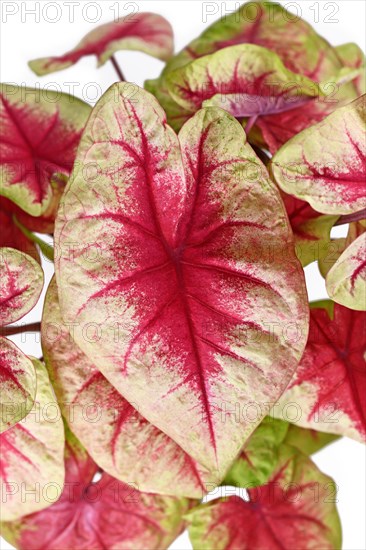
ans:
x=146 y=32
x=346 y=280
x=352 y=56
x=21 y=283
x=296 y=509
x=174 y=272
x=118 y=438
x=259 y=456
x=31 y=461
x=41 y=132
x=93 y=514
x=327 y=391
x=18 y=384
x=333 y=182
x=246 y=80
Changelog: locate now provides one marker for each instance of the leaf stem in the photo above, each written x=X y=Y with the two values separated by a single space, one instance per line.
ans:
x=118 y=69
x=354 y=217
x=18 y=329
x=249 y=125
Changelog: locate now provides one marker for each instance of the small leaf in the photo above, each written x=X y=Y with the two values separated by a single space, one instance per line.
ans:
x=116 y=436
x=31 y=460
x=21 y=283
x=145 y=32
x=333 y=182
x=296 y=509
x=308 y=441
x=172 y=270
x=327 y=391
x=245 y=80
x=259 y=456
x=93 y=514
x=346 y=280
x=41 y=132
x=18 y=384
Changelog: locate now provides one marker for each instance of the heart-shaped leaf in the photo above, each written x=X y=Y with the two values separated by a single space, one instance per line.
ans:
x=18 y=384
x=93 y=513
x=311 y=229
x=296 y=509
x=145 y=32
x=40 y=135
x=308 y=441
x=31 y=461
x=333 y=182
x=327 y=392
x=164 y=256
x=268 y=25
x=259 y=456
x=120 y=440
x=21 y=283
x=246 y=80
x=346 y=280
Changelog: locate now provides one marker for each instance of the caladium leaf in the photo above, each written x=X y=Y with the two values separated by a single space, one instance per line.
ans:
x=11 y=236
x=175 y=225
x=333 y=183
x=21 y=283
x=266 y=24
x=31 y=461
x=18 y=384
x=327 y=391
x=40 y=135
x=93 y=514
x=352 y=56
x=259 y=456
x=145 y=32
x=346 y=280
x=311 y=229
x=246 y=80
x=308 y=441
x=296 y=509
x=117 y=437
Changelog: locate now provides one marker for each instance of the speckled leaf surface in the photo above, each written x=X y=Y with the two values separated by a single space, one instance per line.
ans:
x=18 y=384
x=95 y=514
x=202 y=325
x=32 y=455
x=40 y=134
x=146 y=32
x=21 y=283
x=296 y=509
x=246 y=80
x=329 y=386
x=117 y=437
x=259 y=456
x=333 y=182
x=346 y=280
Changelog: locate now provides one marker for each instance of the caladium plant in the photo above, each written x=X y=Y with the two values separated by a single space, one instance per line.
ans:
x=177 y=331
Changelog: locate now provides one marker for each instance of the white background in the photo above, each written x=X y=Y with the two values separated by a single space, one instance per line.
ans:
x=26 y=36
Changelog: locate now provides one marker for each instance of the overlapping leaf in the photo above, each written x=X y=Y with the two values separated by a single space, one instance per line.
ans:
x=120 y=440
x=346 y=280
x=146 y=32
x=21 y=282
x=165 y=257
x=40 y=135
x=11 y=236
x=296 y=509
x=299 y=47
x=93 y=514
x=333 y=182
x=17 y=382
x=329 y=386
x=308 y=441
x=259 y=456
x=352 y=56
x=31 y=461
